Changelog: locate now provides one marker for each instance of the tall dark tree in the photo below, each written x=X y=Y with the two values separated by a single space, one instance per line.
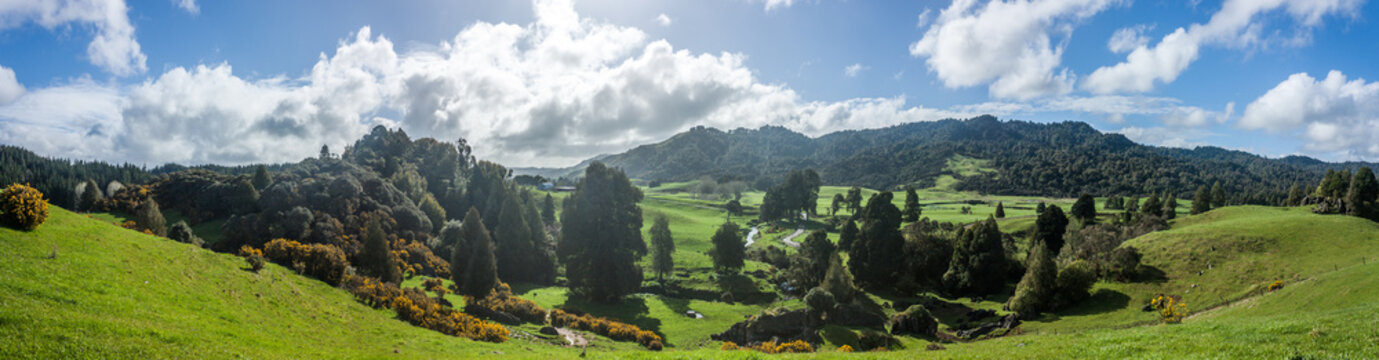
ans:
x=1000 y=210
x=261 y=178
x=1133 y=205
x=1363 y=192
x=1201 y=200
x=878 y=252
x=150 y=218
x=601 y=235
x=1295 y=195
x=473 y=267
x=979 y=261
x=838 y=281
x=1153 y=206
x=848 y=235
x=377 y=257
x=838 y=203
x=1035 y=291
x=548 y=210
x=1049 y=229
x=1040 y=208
x=514 y=243
x=854 y=200
x=733 y=207
x=912 y=211
x=1218 y=196
x=1170 y=206
x=728 y=248
x=1085 y=209
x=810 y=265
x=662 y=248
x=325 y=152
x=90 y=195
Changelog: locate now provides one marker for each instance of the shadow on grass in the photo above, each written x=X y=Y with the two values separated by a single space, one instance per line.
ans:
x=744 y=289
x=1103 y=301
x=1151 y=274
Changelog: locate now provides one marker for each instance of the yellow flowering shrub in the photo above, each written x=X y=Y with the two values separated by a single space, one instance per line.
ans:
x=729 y=346
x=22 y=207
x=1171 y=309
x=1277 y=284
x=321 y=261
x=845 y=348
x=501 y=299
x=418 y=259
x=612 y=329
x=414 y=307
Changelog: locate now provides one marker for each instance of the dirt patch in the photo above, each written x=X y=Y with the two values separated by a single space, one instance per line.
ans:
x=575 y=338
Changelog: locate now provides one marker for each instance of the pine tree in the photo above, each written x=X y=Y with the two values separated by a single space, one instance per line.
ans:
x=1170 y=210
x=1049 y=229
x=838 y=202
x=912 y=211
x=878 y=251
x=1201 y=200
x=1296 y=194
x=1035 y=291
x=377 y=257
x=1218 y=195
x=838 y=281
x=847 y=235
x=1000 y=210
x=1134 y=205
x=1085 y=209
x=601 y=235
x=663 y=248
x=548 y=210
x=978 y=258
x=261 y=178
x=90 y=195
x=473 y=266
x=728 y=248
x=150 y=218
x=1040 y=208
x=325 y=152
x=1361 y=196
x=512 y=239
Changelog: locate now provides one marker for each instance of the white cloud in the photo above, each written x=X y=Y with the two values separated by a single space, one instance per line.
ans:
x=924 y=18
x=10 y=89
x=1235 y=25
x=1163 y=136
x=552 y=92
x=1127 y=39
x=1335 y=114
x=188 y=5
x=113 y=47
x=663 y=20
x=1006 y=44
x=773 y=4
x=853 y=70
x=1114 y=108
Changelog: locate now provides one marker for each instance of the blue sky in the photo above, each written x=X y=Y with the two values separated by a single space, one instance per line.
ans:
x=551 y=82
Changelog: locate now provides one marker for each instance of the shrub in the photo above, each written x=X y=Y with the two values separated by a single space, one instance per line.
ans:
x=414 y=307
x=819 y=301
x=321 y=261
x=150 y=218
x=1171 y=309
x=729 y=345
x=845 y=348
x=612 y=329
x=418 y=259
x=22 y=207
x=772 y=347
x=501 y=299
x=1276 y=285
x=183 y=234
x=253 y=256
x=1074 y=283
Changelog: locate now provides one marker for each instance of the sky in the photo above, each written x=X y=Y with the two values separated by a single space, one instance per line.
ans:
x=554 y=82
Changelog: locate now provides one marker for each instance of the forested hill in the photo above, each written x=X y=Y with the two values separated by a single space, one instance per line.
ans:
x=1022 y=158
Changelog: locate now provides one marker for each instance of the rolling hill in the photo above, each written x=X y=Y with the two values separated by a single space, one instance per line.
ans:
x=1057 y=159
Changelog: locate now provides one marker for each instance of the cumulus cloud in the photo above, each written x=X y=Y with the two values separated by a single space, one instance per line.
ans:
x=1114 y=108
x=1127 y=39
x=663 y=20
x=773 y=4
x=1236 y=25
x=1164 y=136
x=113 y=46
x=552 y=92
x=1006 y=44
x=10 y=89
x=188 y=5
x=1334 y=114
x=853 y=70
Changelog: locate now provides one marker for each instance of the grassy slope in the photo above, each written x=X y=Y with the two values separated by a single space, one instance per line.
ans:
x=114 y=293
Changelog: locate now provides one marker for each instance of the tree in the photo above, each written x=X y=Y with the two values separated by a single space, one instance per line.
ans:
x=325 y=152
x=1201 y=200
x=261 y=178
x=838 y=281
x=150 y=218
x=847 y=235
x=838 y=203
x=1000 y=210
x=854 y=200
x=548 y=210
x=1170 y=210
x=601 y=235
x=1134 y=205
x=734 y=207
x=1295 y=195
x=1363 y=192
x=1218 y=196
x=514 y=242
x=810 y=265
x=1085 y=209
x=1049 y=229
x=377 y=258
x=663 y=248
x=728 y=248
x=1040 y=208
x=1035 y=291
x=1153 y=206
x=878 y=252
x=473 y=267
x=978 y=261
x=912 y=211
x=433 y=211
x=90 y=195
x=181 y=232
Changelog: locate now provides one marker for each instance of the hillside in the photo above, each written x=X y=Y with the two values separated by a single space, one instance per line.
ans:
x=115 y=293
x=1058 y=159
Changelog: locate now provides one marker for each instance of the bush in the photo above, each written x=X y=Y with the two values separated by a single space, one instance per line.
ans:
x=22 y=207
x=414 y=307
x=1171 y=309
x=845 y=348
x=501 y=299
x=914 y=320
x=253 y=256
x=819 y=301
x=872 y=340
x=1074 y=283
x=728 y=346
x=183 y=234
x=150 y=218
x=418 y=259
x=324 y=262
x=1276 y=285
x=772 y=347
x=612 y=329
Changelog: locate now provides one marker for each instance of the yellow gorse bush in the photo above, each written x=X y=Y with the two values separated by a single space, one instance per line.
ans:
x=1277 y=284
x=413 y=306
x=603 y=326
x=845 y=348
x=1171 y=309
x=772 y=347
x=23 y=207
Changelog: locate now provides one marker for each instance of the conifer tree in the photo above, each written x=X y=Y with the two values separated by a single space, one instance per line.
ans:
x=150 y=218
x=662 y=248
x=1218 y=195
x=1036 y=289
x=847 y=235
x=728 y=248
x=912 y=211
x=601 y=235
x=473 y=267
x=548 y=210
x=1085 y=209
x=377 y=257
x=261 y=179
x=1000 y=210
x=1201 y=200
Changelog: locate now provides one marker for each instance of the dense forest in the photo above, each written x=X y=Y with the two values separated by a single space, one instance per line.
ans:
x=1059 y=159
